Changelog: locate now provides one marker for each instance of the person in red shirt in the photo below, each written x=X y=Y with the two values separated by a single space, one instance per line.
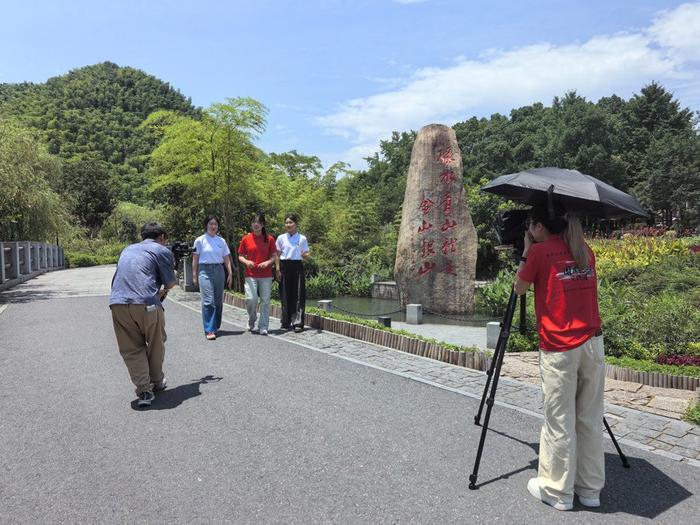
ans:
x=557 y=260
x=257 y=252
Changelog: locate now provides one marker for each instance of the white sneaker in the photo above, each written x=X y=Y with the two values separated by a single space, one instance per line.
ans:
x=263 y=332
x=589 y=502
x=533 y=487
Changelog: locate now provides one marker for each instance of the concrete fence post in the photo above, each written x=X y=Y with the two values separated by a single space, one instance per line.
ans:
x=187 y=275
x=2 y=262
x=493 y=330
x=325 y=304
x=414 y=314
x=27 y=257
x=14 y=261
x=44 y=255
x=36 y=256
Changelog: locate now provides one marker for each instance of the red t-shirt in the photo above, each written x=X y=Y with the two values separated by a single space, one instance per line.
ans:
x=254 y=248
x=566 y=297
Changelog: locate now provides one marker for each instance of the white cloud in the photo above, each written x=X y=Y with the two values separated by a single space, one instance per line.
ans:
x=678 y=30
x=619 y=63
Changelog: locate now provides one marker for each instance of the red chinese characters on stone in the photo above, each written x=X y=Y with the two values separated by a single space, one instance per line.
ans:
x=449 y=268
x=426 y=205
x=447 y=203
x=449 y=246
x=446 y=157
x=426 y=248
x=426 y=268
x=425 y=227
x=448 y=176
x=448 y=225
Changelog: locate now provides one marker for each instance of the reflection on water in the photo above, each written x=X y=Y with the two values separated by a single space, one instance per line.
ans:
x=371 y=308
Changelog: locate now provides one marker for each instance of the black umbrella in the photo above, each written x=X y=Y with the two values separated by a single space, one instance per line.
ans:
x=571 y=189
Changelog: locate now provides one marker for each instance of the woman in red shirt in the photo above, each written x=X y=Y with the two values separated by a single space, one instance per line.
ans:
x=557 y=260
x=257 y=253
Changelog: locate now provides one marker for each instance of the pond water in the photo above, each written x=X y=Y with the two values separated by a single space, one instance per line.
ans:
x=371 y=308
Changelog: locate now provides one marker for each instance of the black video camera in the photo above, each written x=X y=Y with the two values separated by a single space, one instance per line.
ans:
x=510 y=229
x=180 y=249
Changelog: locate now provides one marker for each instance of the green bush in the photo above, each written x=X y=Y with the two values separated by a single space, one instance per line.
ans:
x=125 y=222
x=78 y=260
x=493 y=297
x=92 y=252
x=322 y=286
x=642 y=326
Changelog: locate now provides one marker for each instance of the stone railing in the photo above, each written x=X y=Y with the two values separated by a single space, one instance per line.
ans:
x=22 y=260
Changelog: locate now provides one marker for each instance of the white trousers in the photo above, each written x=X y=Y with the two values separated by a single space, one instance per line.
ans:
x=253 y=287
x=571 y=441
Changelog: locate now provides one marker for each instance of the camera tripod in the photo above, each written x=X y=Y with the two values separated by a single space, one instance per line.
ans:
x=492 y=377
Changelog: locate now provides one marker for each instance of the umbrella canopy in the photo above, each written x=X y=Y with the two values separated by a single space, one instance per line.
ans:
x=574 y=190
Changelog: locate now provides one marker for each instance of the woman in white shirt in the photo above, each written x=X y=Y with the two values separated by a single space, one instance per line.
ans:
x=210 y=255
x=292 y=248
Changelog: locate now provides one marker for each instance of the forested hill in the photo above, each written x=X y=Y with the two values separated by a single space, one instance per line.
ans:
x=90 y=117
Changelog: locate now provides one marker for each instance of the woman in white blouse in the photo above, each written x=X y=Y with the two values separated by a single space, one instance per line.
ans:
x=210 y=255
x=292 y=249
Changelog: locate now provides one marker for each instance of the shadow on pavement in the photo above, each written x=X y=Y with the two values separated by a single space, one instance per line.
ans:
x=641 y=490
x=174 y=397
x=25 y=295
x=224 y=333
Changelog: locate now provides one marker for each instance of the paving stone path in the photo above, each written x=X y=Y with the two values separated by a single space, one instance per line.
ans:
x=655 y=432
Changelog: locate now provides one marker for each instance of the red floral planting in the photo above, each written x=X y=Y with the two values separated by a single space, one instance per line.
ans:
x=695 y=248
x=681 y=360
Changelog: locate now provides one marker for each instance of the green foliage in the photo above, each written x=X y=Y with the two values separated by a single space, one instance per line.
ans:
x=323 y=286
x=692 y=414
x=649 y=296
x=208 y=165
x=493 y=297
x=30 y=208
x=94 y=112
x=125 y=223
x=86 y=182
x=92 y=252
x=78 y=260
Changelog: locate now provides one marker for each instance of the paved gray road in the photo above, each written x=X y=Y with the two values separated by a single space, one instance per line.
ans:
x=260 y=430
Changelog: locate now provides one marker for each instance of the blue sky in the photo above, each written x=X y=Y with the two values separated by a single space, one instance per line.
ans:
x=338 y=76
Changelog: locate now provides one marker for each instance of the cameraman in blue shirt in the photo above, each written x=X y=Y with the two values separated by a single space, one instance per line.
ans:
x=143 y=277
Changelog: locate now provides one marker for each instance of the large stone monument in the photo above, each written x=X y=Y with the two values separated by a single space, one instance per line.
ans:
x=436 y=251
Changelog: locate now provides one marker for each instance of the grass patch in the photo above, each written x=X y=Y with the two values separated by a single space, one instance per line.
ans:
x=692 y=414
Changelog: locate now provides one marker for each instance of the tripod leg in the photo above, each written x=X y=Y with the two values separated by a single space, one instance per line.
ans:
x=489 y=376
x=496 y=369
x=500 y=348
x=623 y=458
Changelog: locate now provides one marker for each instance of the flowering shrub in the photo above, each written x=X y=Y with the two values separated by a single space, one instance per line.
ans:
x=643 y=231
x=679 y=360
x=635 y=252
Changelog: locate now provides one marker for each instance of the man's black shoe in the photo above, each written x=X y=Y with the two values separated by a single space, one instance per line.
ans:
x=145 y=399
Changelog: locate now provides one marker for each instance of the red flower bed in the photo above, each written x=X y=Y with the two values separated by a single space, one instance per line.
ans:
x=681 y=360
